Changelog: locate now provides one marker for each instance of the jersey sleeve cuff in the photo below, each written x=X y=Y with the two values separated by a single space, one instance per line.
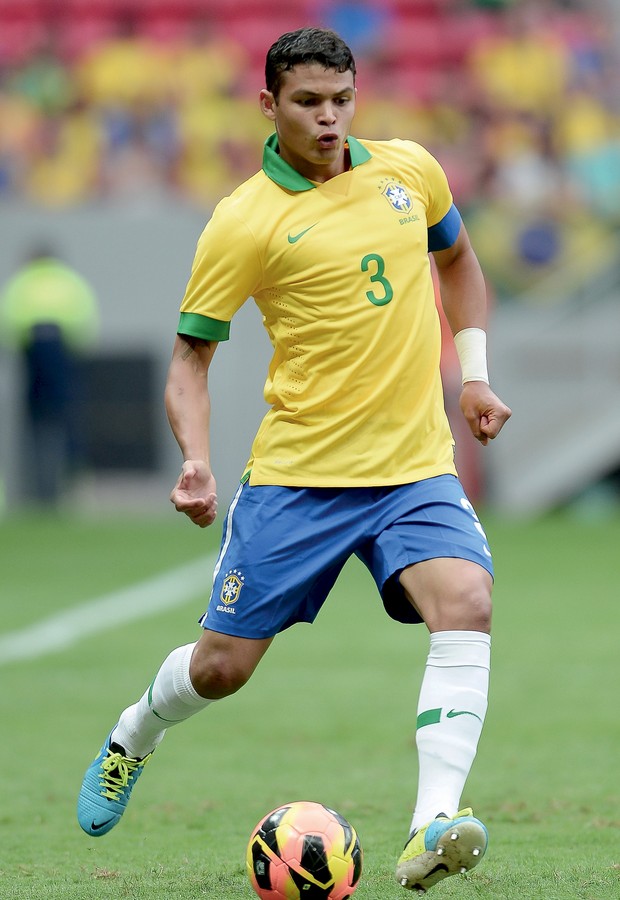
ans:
x=203 y=327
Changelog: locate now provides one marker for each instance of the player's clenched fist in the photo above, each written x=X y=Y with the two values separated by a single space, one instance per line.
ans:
x=195 y=493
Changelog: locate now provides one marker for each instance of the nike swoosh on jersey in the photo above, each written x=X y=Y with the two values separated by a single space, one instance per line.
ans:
x=293 y=238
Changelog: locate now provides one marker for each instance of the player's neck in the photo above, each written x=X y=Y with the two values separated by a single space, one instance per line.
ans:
x=316 y=172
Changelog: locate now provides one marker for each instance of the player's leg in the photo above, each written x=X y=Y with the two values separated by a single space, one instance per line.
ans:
x=453 y=597
x=264 y=582
x=453 y=697
x=430 y=559
x=190 y=679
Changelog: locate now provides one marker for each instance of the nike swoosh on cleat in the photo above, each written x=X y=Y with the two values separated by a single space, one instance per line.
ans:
x=461 y=712
x=439 y=868
x=97 y=826
x=293 y=238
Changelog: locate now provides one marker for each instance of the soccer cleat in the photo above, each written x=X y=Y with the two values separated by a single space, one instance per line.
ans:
x=443 y=847
x=106 y=788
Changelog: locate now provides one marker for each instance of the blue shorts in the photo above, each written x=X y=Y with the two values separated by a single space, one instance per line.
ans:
x=283 y=548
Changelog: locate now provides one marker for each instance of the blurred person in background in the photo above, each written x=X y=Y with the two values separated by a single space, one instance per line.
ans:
x=49 y=315
x=355 y=456
x=547 y=141
x=526 y=66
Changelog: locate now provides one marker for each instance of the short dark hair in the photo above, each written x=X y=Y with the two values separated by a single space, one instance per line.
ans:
x=306 y=45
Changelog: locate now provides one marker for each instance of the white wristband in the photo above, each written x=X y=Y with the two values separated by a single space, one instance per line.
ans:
x=471 y=347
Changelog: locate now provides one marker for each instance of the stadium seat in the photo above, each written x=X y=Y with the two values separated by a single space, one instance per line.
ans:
x=257 y=33
x=78 y=36
x=20 y=37
x=164 y=28
x=416 y=82
x=241 y=9
x=416 y=39
x=462 y=31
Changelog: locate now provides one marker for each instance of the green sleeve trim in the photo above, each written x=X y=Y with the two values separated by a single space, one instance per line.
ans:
x=203 y=327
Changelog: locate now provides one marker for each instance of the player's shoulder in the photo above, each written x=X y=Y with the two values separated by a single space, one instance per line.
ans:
x=237 y=212
x=398 y=149
x=243 y=196
x=409 y=161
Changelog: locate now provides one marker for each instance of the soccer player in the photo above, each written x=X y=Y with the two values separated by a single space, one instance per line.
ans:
x=355 y=456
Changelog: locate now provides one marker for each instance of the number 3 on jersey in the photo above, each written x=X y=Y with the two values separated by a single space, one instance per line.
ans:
x=375 y=265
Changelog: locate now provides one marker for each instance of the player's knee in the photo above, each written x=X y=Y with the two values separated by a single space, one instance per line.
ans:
x=467 y=608
x=217 y=675
x=471 y=600
x=478 y=610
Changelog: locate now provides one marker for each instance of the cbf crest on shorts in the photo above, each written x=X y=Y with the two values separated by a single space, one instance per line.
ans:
x=231 y=587
x=397 y=196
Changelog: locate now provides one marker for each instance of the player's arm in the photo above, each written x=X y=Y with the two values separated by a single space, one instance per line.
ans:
x=463 y=291
x=188 y=407
x=464 y=300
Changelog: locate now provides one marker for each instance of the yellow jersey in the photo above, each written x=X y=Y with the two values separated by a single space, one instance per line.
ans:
x=341 y=274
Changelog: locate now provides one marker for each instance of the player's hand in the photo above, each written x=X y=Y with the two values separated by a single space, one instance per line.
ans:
x=485 y=413
x=195 y=493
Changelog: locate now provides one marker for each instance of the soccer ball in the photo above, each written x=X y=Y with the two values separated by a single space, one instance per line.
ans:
x=304 y=851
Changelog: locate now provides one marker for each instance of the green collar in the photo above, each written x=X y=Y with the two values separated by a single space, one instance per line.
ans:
x=288 y=177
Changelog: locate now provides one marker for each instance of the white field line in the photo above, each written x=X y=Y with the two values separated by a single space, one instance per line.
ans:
x=140 y=601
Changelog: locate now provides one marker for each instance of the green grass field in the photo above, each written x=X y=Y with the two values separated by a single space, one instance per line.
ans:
x=329 y=716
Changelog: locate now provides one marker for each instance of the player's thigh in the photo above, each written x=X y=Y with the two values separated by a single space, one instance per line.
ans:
x=450 y=594
x=434 y=536
x=222 y=663
x=281 y=553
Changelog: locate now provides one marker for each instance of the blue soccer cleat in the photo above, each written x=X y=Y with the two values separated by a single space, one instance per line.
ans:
x=106 y=788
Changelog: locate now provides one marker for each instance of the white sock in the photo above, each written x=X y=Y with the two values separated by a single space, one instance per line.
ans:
x=169 y=700
x=451 y=711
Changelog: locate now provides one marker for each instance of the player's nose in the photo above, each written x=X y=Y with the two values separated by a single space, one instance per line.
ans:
x=327 y=113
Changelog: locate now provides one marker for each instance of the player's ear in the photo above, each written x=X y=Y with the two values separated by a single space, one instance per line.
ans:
x=268 y=104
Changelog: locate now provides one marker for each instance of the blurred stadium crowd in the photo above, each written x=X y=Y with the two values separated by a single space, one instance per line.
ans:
x=147 y=101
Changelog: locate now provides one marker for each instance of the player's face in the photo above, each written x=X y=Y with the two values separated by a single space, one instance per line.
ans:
x=312 y=115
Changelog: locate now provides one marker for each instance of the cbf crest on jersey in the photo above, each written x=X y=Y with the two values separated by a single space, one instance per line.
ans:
x=397 y=196
x=231 y=587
